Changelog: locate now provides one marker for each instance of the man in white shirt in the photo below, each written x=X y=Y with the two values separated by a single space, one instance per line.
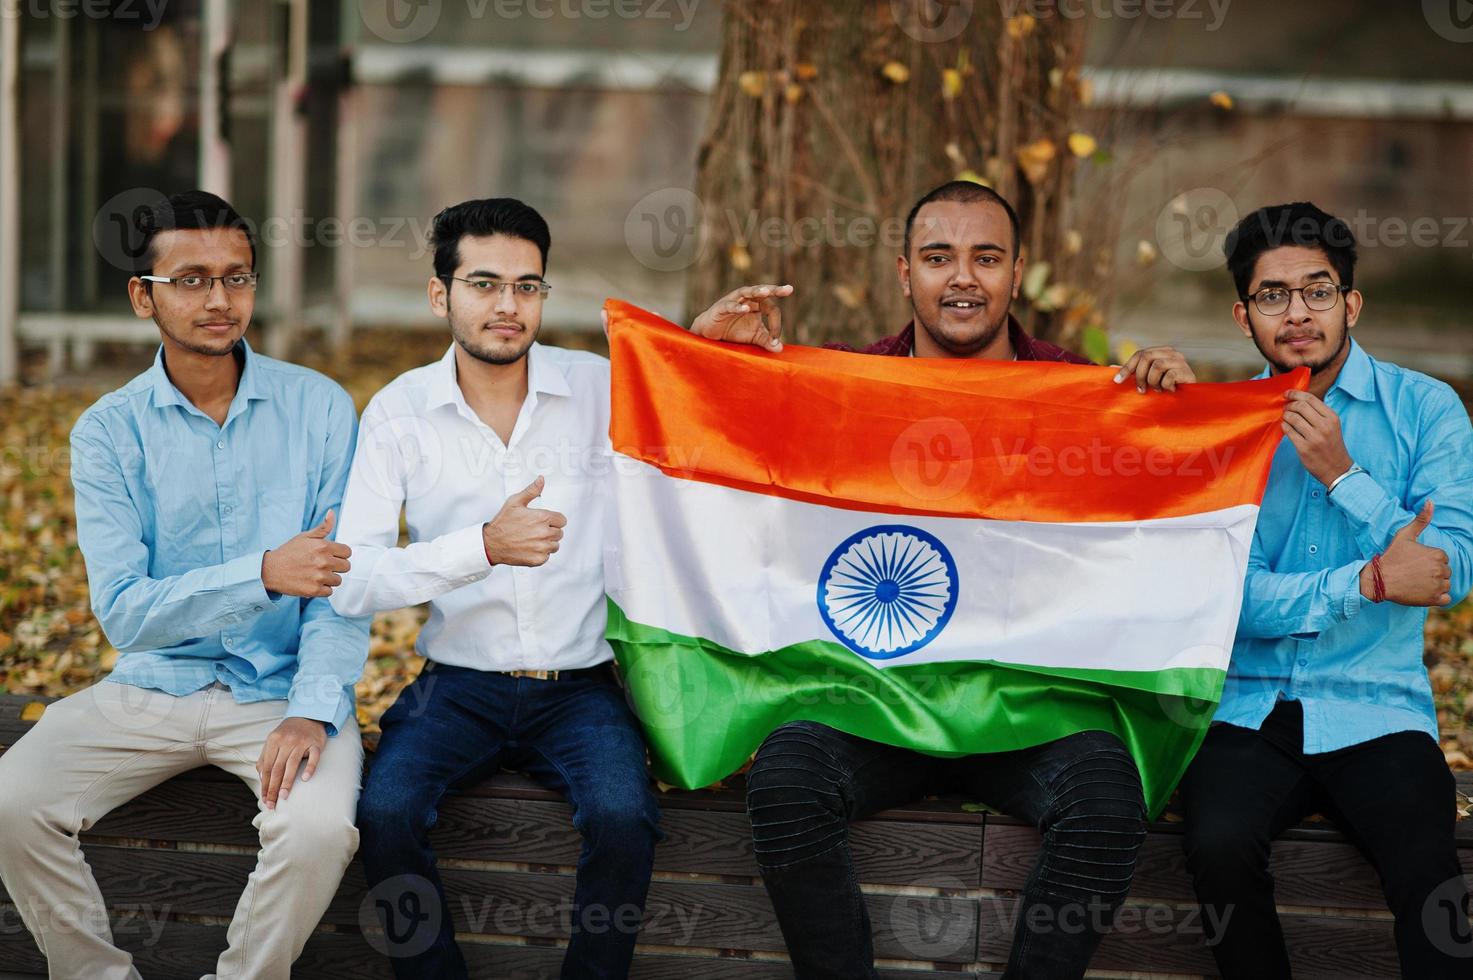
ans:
x=491 y=453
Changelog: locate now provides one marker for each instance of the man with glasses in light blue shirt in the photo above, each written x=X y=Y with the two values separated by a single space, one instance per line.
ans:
x=206 y=491
x=1366 y=522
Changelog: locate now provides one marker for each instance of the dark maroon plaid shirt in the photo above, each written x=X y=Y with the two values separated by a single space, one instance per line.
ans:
x=1026 y=347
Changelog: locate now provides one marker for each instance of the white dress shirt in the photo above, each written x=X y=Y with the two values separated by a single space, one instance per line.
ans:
x=421 y=448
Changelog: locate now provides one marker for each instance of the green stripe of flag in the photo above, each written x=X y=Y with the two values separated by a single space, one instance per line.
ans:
x=706 y=709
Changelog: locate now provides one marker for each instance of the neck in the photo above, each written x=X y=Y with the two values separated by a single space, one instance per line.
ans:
x=205 y=379
x=483 y=382
x=1000 y=348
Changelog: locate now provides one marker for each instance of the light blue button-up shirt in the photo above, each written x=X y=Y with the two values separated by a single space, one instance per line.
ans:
x=175 y=513
x=1305 y=633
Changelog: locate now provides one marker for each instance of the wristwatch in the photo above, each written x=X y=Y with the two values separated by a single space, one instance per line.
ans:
x=1354 y=469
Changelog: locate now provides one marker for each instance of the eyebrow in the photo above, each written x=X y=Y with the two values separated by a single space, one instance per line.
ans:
x=1280 y=284
x=488 y=274
x=945 y=247
x=199 y=268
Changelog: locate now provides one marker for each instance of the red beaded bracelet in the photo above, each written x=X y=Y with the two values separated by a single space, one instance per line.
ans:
x=1379 y=583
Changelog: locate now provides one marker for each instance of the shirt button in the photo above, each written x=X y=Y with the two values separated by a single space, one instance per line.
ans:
x=1314 y=549
x=227 y=508
x=1303 y=662
x=220 y=444
x=1315 y=493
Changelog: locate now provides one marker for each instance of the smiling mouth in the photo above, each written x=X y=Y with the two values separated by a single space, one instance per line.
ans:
x=216 y=327
x=1299 y=341
x=963 y=304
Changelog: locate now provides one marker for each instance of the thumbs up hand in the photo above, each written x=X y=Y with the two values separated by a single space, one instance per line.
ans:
x=308 y=565
x=1414 y=573
x=521 y=534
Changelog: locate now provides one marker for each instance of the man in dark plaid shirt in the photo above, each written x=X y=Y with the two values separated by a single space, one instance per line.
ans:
x=961 y=271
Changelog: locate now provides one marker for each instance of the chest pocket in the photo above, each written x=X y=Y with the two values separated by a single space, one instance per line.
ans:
x=581 y=499
x=283 y=510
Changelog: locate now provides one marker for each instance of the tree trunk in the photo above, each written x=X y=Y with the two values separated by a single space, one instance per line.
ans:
x=831 y=117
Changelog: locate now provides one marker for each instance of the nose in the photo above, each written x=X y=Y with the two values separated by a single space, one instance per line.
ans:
x=963 y=274
x=506 y=301
x=1298 y=311
x=217 y=297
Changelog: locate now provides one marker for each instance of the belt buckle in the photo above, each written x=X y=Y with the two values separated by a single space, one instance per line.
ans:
x=541 y=675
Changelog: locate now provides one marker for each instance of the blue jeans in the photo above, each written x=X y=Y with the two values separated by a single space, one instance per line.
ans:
x=808 y=781
x=453 y=727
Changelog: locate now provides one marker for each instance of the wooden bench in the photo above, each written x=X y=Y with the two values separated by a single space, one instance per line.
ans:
x=942 y=885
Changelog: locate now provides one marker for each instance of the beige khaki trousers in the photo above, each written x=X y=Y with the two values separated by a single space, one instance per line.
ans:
x=101 y=747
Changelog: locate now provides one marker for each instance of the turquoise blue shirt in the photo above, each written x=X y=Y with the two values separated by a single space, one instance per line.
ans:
x=174 y=514
x=1305 y=633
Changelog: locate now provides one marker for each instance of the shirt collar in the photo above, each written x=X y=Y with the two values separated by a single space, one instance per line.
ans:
x=1356 y=378
x=249 y=388
x=544 y=377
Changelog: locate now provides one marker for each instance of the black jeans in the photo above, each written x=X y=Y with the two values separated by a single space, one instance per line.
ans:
x=1392 y=796
x=808 y=781
x=453 y=727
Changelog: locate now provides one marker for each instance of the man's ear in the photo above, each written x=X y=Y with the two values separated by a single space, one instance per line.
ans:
x=1018 y=275
x=439 y=298
x=1354 y=303
x=140 y=294
x=902 y=268
x=1240 y=314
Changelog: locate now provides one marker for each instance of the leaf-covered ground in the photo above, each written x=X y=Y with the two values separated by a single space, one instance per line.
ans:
x=51 y=644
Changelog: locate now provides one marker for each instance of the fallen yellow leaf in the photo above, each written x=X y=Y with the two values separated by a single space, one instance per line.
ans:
x=741 y=259
x=754 y=83
x=1021 y=26
x=33 y=711
x=951 y=83
x=1035 y=158
x=1222 y=100
x=1082 y=144
x=896 y=72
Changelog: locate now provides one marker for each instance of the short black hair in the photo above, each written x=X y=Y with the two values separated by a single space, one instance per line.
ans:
x=484 y=217
x=1281 y=225
x=185 y=211
x=964 y=192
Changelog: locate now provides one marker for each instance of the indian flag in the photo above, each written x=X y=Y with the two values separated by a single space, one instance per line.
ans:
x=952 y=556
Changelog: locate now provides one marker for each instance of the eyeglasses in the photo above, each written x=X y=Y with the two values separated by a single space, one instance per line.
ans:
x=1318 y=296
x=522 y=289
x=238 y=282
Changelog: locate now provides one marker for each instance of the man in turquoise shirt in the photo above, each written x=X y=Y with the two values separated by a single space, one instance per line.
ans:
x=1367 y=521
x=205 y=496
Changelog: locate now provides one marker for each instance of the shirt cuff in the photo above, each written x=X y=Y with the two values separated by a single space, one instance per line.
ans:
x=240 y=579
x=307 y=701
x=1344 y=587
x=464 y=552
x=1358 y=495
